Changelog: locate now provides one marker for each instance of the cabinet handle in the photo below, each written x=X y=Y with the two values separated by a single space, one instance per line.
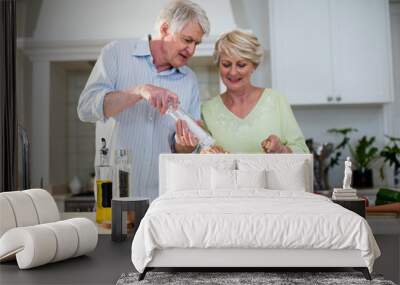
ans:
x=329 y=98
x=338 y=98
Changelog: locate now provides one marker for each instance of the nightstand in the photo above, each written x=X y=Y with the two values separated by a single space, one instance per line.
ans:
x=120 y=207
x=356 y=205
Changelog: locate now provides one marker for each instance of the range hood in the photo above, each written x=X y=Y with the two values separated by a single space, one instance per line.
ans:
x=90 y=24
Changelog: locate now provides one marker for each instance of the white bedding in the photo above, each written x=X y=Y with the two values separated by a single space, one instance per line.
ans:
x=251 y=218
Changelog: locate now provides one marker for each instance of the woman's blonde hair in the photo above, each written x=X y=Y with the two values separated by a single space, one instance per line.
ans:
x=240 y=43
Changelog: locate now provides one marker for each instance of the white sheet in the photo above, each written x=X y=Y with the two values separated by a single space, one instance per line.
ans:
x=251 y=218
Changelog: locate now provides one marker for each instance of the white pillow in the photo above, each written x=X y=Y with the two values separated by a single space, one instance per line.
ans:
x=183 y=173
x=223 y=179
x=251 y=178
x=237 y=179
x=183 y=177
x=281 y=173
x=283 y=179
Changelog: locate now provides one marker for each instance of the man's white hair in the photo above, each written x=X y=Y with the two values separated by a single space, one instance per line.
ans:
x=180 y=12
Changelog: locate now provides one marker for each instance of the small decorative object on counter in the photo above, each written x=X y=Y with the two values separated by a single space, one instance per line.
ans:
x=104 y=187
x=75 y=186
x=347 y=174
x=345 y=193
x=122 y=170
x=337 y=149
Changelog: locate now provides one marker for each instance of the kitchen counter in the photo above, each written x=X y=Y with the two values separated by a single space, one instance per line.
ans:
x=72 y=203
x=88 y=215
x=384 y=225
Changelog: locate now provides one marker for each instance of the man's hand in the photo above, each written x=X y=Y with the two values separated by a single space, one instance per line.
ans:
x=184 y=136
x=273 y=144
x=159 y=98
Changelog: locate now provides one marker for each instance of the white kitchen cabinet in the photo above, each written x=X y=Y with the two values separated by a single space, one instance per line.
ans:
x=331 y=51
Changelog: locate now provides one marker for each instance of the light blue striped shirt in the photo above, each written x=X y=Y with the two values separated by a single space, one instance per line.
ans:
x=140 y=128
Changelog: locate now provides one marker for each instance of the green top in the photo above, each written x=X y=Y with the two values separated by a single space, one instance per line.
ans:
x=271 y=115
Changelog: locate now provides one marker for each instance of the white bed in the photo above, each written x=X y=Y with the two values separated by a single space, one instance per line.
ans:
x=241 y=210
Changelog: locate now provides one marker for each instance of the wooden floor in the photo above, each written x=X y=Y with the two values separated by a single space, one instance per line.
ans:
x=102 y=266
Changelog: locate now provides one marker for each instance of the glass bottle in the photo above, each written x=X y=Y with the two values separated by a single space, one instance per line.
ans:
x=205 y=140
x=103 y=187
x=122 y=170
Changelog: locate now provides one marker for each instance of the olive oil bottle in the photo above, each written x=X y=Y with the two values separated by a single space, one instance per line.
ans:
x=122 y=169
x=104 y=187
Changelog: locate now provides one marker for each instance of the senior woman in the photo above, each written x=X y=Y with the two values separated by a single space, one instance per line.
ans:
x=246 y=118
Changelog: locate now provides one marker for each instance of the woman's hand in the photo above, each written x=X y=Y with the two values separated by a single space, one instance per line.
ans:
x=213 y=150
x=273 y=144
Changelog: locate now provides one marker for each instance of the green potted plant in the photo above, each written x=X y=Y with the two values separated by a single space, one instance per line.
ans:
x=363 y=154
x=391 y=155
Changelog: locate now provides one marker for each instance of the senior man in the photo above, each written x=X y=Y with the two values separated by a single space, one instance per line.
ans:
x=134 y=81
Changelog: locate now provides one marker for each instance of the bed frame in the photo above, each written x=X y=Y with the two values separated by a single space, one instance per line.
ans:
x=237 y=259
x=250 y=259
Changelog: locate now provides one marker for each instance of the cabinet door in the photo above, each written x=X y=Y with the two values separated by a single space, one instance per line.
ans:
x=301 y=50
x=361 y=51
